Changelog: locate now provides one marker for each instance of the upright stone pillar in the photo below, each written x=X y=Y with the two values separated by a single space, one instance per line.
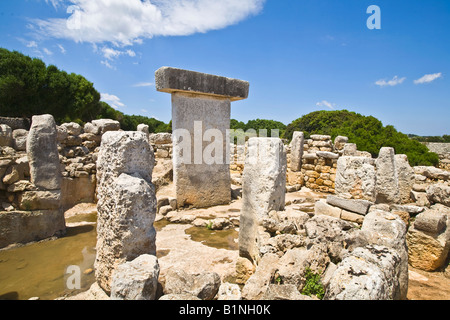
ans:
x=42 y=151
x=126 y=202
x=201 y=105
x=297 y=143
x=387 y=188
x=263 y=190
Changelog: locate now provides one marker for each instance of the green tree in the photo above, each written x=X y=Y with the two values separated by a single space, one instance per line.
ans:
x=367 y=132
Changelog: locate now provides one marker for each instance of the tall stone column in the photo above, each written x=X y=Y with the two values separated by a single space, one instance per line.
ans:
x=201 y=105
x=263 y=190
x=298 y=140
x=126 y=202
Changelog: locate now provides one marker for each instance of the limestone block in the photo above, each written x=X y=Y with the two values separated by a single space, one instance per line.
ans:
x=20 y=139
x=340 y=142
x=40 y=200
x=72 y=128
x=297 y=143
x=144 y=128
x=327 y=155
x=439 y=193
x=6 y=138
x=350 y=150
x=355 y=176
x=27 y=226
x=318 y=137
x=136 y=280
x=357 y=206
x=387 y=229
x=321 y=207
x=126 y=202
x=201 y=166
x=173 y=80
x=160 y=138
x=405 y=177
x=387 y=186
x=368 y=273
x=126 y=212
x=42 y=152
x=264 y=187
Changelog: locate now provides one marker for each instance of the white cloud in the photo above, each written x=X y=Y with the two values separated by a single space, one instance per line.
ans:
x=47 y=52
x=107 y=64
x=125 y=22
x=395 y=81
x=31 y=44
x=143 y=84
x=428 y=78
x=63 y=50
x=112 y=100
x=327 y=104
x=55 y=3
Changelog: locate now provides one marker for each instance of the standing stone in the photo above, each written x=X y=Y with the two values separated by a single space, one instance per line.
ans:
x=6 y=138
x=126 y=202
x=144 y=128
x=387 y=186
x=355 y=178
x=406 y=177
x=340 y=142
x=297 y=143
x=264 y=186
x=201 y=106
x=42 y=151
x=388 y=229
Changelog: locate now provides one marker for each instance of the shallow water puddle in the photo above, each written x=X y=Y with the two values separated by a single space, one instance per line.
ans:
x=39 y=269
x=221 y=239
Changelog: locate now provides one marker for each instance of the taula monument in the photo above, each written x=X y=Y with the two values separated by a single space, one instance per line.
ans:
x=201 y=103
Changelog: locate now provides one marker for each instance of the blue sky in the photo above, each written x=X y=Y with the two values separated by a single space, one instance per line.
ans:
x=298 y=55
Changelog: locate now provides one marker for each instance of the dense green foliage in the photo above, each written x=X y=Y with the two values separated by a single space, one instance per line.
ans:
x=260 y=124
x=313 y=284
x=444 y=139
x=367 y=132
x=29 y=87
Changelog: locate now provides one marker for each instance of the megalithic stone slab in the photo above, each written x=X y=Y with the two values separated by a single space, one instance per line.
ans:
x=172 y=80
x=42 y=152
x=201 y=108
x=387 y=188
x=263 y=190
x=126 y=202
x=297 y=143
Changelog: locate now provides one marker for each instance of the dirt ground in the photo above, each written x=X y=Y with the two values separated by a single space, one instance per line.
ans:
x=428 y=285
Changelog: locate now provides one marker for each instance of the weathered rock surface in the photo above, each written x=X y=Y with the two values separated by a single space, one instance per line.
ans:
x=387 y=186
x=387 y=229
x=406 y=177
x=357 y=206
x=136 y=280
x=369 y=273
x=429 y=239
x=263 y=190
x=43 y=154
x=297 y=143
x=204 y=286
x=356 y=177
x=439 y=193
x=126 y=202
